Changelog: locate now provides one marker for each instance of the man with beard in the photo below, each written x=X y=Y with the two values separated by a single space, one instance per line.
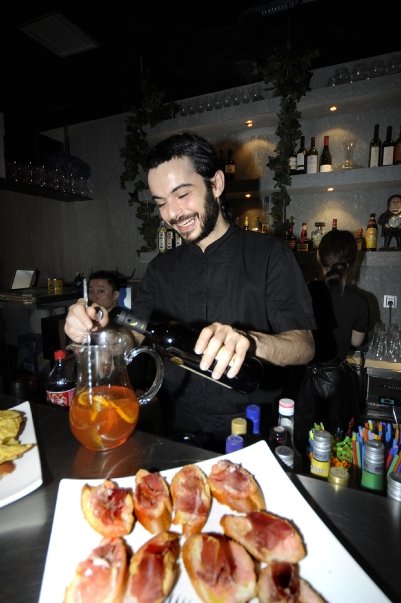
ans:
x=243 y=290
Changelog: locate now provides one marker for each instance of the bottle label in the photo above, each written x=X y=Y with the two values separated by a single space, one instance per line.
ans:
x=371 y=238
x=374 y=157
x=311 y=164
x=388 y=155
x=326 y=167
x=60 y=398
x=372 y=481
x=319 y=468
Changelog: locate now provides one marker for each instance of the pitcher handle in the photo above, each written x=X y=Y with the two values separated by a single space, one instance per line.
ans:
x=158 y=380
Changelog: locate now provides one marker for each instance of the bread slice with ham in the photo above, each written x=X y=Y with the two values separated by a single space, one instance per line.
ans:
x=108 y=508
x=153 y=569
x=234 y=486
x=265 y=536
x=152 y=501
x=190 y=494
x=219 y=568
x=102 y=576
x=279 y=582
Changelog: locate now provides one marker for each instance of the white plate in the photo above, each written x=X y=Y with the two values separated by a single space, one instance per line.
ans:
x=27 y=475
x=328 y=566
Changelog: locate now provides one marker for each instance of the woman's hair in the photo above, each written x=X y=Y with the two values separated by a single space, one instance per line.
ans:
x=337 y=253
x=198 y=150
x=106 y=275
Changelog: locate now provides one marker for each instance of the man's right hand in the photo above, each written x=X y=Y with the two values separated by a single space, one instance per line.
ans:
x=82 y=320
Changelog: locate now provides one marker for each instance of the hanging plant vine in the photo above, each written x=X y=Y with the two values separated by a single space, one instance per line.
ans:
x=290 y=75
x=152 y=111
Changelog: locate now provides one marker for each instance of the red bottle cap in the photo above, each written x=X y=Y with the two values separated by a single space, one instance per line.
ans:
x=60 y=354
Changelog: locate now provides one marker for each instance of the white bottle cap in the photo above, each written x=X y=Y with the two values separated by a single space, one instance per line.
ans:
x=286 y=407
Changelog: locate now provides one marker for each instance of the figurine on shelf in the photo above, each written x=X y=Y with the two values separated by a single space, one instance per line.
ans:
x=390 y=221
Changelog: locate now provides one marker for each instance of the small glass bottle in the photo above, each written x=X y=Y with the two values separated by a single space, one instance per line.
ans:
x=322 y=445
x=286 y=456
x=394 y=486
x=286 y=412
x=233 y=443
x=317 y=234
x=373 y=466
x=60 y=384
x=277 y=437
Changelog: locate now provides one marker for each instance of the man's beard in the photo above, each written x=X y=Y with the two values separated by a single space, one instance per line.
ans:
x=209 y=219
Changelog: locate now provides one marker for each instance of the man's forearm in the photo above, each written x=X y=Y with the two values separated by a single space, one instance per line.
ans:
x=290 y=347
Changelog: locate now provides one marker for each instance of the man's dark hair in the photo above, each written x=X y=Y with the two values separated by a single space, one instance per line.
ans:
x=107 y=275
x=198 y=150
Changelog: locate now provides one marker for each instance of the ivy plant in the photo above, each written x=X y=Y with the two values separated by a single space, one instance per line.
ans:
x=152 y=111
x=290 y=75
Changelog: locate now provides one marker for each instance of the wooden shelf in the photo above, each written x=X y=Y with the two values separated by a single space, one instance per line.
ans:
x=38 y=191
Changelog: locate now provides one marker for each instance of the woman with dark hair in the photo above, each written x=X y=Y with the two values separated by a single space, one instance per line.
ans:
x=330 y=391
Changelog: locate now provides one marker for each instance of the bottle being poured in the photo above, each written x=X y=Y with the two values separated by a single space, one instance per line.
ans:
x=176 y=341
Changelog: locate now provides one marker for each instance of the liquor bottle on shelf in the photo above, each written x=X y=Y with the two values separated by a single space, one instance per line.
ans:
x=304 y=243
x=360 y=241
x=162 y=237
x=293 y=162
x=397 y=150
x=334 y=224
x=256 y=225
x=246 y=223
x=318 y=234
x=301 y=157
x=312 y=158
x=387 y=154
x=290 y=239
x=60 y=384
x=169 y=238
x=176 y=342
x=229 y=167
x=375 y=148
x=326 y=162
x=371 y=234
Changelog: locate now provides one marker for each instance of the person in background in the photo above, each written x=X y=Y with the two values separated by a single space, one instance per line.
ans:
x=329 y=390
x=243 y=290
x=104 y=290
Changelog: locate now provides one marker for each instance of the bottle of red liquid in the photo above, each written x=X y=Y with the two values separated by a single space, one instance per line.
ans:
x=60 y=384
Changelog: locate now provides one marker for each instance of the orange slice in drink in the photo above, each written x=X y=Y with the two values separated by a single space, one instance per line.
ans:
x=128 y=413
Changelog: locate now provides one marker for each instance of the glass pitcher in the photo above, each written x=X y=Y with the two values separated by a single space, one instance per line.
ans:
x=105 y=408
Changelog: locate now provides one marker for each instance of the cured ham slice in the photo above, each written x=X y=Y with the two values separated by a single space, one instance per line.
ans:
x=279 y=582
x=153 y=569
x=234 y=486
x=101 y=578
x=219 y=568
x=191 y=499
x=108 y=508
x=265 y=536
x=152 y=501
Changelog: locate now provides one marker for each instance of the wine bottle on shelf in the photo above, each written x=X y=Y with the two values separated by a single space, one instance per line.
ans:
x=326 y=162
x=246 y=223
x=397 y=150
x=293 y=162
x=387 y=154
x=301 y=157
x=360 y=241
x=60 y=384
x=334 y=224
x=176 y=341
x=375 y=148
x=290 y=239
x=371 y=234
x=162 y=237
x=312 y=158
x=256 y=225
x=304 y=243
x=230 y=166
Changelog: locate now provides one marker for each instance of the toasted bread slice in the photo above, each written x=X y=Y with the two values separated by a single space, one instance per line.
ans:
x=108 y=508
x=234 y=486
x=153 y=569
x=219 y=568
x=279 y=582
x=102 y=576
x=265 y=536
x=191 y=499
x=152 y=501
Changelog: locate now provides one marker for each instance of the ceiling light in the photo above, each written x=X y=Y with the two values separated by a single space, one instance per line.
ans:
x=249 y=123
x=59 y=35
x=333 y=108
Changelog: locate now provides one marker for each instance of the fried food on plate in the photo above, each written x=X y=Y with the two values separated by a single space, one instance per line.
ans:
x=11 y=422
